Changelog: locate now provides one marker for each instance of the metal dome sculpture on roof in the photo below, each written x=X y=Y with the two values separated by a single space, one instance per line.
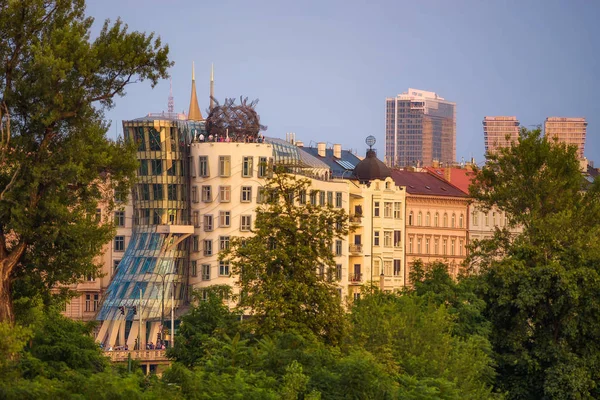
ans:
x=234 y=121
x=371 y=167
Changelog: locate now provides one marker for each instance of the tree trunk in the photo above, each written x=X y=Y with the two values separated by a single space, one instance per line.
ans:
x=7 y=266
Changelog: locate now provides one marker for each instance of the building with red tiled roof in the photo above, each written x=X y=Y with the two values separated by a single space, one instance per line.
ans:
x=436 y=220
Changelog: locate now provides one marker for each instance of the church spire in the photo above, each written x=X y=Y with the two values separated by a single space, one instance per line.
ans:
x=212 y=86
x=194 y=113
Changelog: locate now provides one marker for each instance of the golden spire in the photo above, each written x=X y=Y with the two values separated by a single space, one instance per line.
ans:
x=194 y=113
x=212 y=86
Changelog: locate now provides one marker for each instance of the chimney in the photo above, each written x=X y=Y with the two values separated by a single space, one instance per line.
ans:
x=300 y=144
x=337 y=150
x=321 y=149
x=447 y=173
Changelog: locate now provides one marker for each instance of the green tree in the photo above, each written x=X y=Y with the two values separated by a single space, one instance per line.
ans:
x=543 y=295
x=56 y=164
x=277 y=266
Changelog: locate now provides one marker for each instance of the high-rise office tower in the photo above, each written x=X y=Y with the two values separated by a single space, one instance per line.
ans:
x=567 y=130
x=499 y=132
x=420 y=128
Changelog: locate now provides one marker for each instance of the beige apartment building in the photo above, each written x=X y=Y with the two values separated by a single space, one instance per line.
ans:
x=499 y=132
x=571 y=131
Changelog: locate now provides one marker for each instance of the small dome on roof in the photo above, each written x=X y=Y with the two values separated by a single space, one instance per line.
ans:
x=371 y=168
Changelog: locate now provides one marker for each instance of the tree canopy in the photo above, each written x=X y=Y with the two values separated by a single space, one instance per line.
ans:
x=56 y=163
x=286 y=269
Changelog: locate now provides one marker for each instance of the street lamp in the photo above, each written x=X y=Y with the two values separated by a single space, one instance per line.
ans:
x=163 y=276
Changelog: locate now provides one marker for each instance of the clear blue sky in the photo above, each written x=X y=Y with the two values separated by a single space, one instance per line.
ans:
x=323 y=68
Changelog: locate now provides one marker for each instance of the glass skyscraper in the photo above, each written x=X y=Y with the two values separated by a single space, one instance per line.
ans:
x=420 y=128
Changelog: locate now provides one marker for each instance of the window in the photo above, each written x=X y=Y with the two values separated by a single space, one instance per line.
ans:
x=436 y=246
x=427 y=219
x=156 y=167
x=194 y=194
x=461 y=221
x=302 y=197
x=194 y=268
x=330 y=198
x=224 y=219
x=246 y=194
x=445 y=247
x=338 y=272
x=247 y=167
x=207 y=248
x=376 y=238
x=120 y=218
x=206 y=193
x=88 y=302
x=445 y=220
x=410 y=245
x=397 y=268
x=145 y=192
x=196 y=218
x=313 y=197
x=397 y=210
x=224 y=165
x=436 y=220
x=224 y=268
x=157 y=191
x=419 y=218
x=397 y=238
x=338 y=199
x=427 y=246
x=262 y=167
x=203 y=167
x=195 y=243
x=493 y=219
x=154 y=139
x=410 y=218
x=475 y=218
x=139 y=138
x=206 y=272
x=208 y=223
x=245 y=223
x=172 y=192
x=119 y=243
x=260 y=196
x=419 y=245
x=387 y=238
x=452 y=247
x=387 y=267
x=321 y=198
x=375 y=267
x=387 y=209
x=487 y=219
x=453 y=221
x=225 y=194
x=116 y=265
x=173 y=170
x=460 y=247
x=338 y=247
x=223 y=243
x=376 y=209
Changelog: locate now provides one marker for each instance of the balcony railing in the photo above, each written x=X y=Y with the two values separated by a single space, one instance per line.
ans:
x=356 y=248
x=356 y=277
x=355 y=219
x=142 y=355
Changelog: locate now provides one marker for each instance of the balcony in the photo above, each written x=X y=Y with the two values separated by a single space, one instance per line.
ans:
x=355 y=219
x=356 y=248
x=355 y=278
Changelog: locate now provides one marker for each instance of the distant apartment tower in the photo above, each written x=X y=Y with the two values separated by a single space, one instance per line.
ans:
x=570 y=131
x=420 y=128
x=499 y=132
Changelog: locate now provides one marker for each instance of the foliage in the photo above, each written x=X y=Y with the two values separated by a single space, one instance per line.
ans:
x=277 y=265
x=542 y=295
x=56 y=164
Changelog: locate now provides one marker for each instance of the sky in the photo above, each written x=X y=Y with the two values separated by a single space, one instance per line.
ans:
x=323 y=69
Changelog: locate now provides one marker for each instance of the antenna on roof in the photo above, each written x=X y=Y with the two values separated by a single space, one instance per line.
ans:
x=171 y=104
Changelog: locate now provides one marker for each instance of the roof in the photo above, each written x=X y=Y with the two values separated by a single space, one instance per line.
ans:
x=371 y=168
x=340 y=167
x=423 y=183
x=458 y=177
x=288 y=154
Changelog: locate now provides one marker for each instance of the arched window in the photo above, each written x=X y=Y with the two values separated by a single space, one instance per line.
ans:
x=410 y=218
x=454 y=220
x=427 y=219
x=445 y=220
x=419 y=218
x=436 y=219
x=475 y=218
x=461 y=221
